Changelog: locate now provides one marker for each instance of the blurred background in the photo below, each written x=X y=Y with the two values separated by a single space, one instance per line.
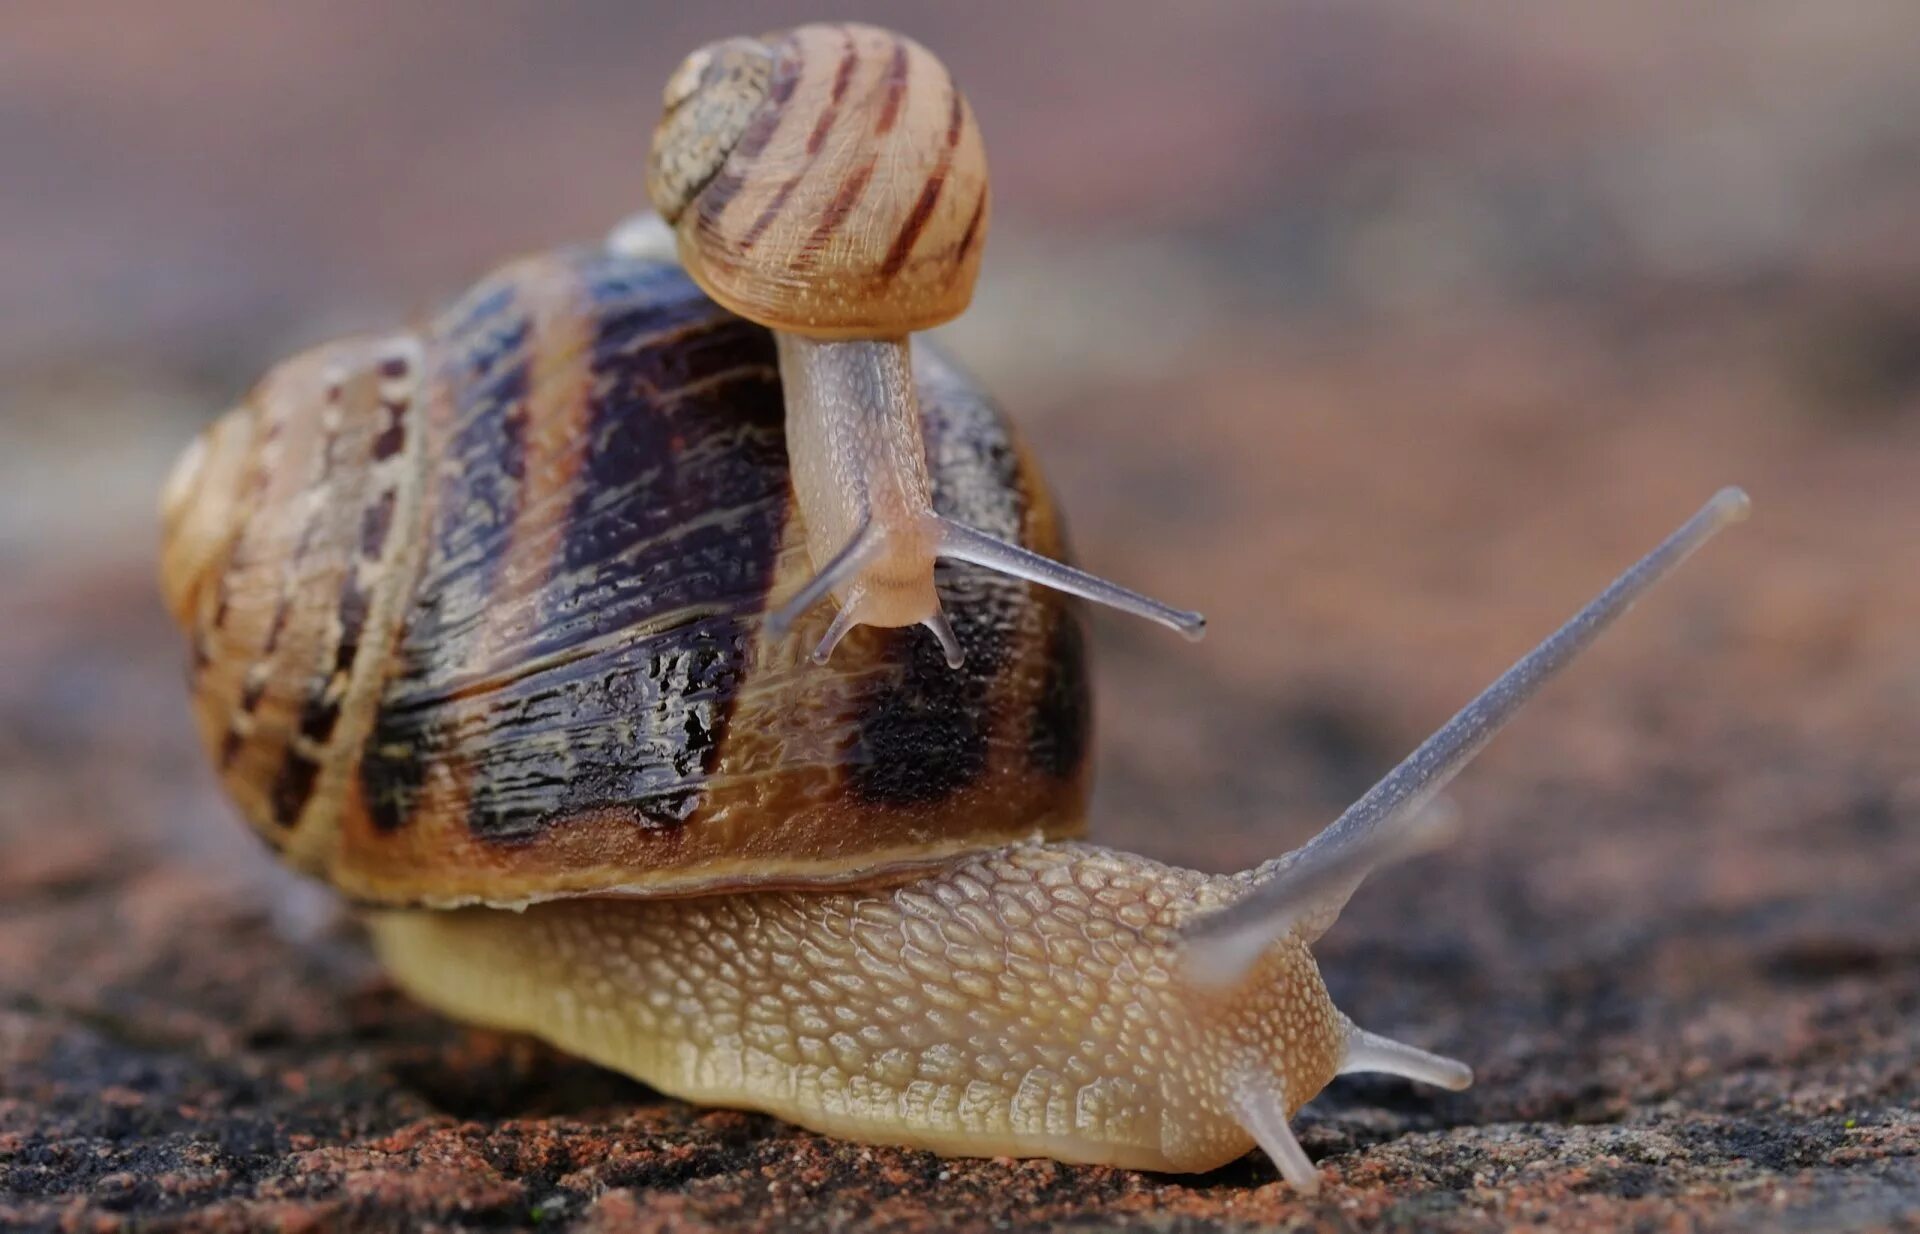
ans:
x=1384 y=332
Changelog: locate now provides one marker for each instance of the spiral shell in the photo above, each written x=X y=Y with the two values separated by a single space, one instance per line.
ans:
x=830 y=181
x=477 y=615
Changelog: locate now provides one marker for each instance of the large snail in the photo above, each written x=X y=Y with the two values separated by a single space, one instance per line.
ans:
x=830 y=184
x=479 y=618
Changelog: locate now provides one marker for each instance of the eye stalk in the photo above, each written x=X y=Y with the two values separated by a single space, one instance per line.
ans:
x=1306 y=888
x=831 y=185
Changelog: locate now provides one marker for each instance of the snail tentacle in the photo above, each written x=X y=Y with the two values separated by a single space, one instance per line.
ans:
x=949 y=642
x=1259 y=1102
x=843 y=622
x=1315 y=880
x=861 y=480
x=836 y=575
x=1371 y=1052
x=959 y=542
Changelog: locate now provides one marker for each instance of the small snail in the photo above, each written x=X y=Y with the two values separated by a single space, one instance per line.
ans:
x=830 y=184
x=477 y=618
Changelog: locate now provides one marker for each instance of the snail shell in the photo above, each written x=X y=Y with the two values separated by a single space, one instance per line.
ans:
x=830 y=181
x=831 y=185
x=477 y=614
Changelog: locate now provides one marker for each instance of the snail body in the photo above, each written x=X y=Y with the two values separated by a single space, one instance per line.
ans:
x=1022 y=1002
x=497 y=626
x=830 y=183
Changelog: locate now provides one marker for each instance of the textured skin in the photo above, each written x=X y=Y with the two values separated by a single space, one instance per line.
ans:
x=477 y=614
x=853 y=433
x=1025 y=1002
x=852 y=202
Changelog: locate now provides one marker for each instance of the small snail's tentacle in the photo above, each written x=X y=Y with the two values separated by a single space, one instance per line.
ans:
x=860 y=477
x=836 y=574
x=963 y=543
x=843 y=621
x=1222 y=944
x=1371 y=1052
x=949 y=642
x=1260 y=1106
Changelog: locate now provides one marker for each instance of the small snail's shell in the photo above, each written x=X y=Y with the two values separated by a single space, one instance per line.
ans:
x=829 y=181
x=477 y=615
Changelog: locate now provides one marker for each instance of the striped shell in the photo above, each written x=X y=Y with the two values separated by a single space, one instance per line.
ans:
x=830 y=181
x=476 y=614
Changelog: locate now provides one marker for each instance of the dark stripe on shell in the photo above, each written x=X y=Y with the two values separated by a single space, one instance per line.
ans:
x=766 y=120
x=720 y=190
x=915 y=224
x=393 y=437
x=329 y=458
x=318 y=715
x=849 y=59
x=834 y=217
x=818 y=137
x=972 y=232
x=320 y=711
x=922 y=738
x=612 y=695
x=354 y=603
x=293 y=788
x=685 y=422
x=895 y=84
x=282 y=612
x=772 y=212
x=392 y=772
x=842 y=78
x=909 y=235
x=564 y=712
x=482 y=361
x=376 y=523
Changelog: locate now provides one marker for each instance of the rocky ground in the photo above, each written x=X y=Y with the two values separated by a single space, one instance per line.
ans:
x=1387 y=419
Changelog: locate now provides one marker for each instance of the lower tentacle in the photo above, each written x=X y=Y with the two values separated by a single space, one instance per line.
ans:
x=1259 y=1103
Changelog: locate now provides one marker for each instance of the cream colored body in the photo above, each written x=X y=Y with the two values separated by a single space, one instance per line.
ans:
x=860 y=467
x=1026 y=1003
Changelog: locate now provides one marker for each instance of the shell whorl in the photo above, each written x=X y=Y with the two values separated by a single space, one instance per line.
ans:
x=285 y=531
x=830 y=181
x=709 y=102
x=477 y=614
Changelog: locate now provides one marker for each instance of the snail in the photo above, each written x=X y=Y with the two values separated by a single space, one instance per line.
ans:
x=479 y=627
x=830 y=184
